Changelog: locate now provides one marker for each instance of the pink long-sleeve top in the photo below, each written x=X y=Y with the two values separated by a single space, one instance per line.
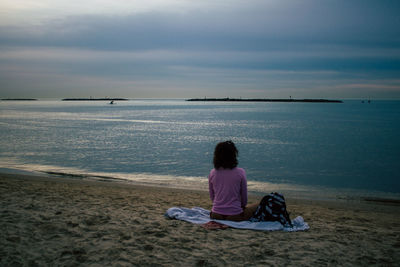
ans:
x=228 y=190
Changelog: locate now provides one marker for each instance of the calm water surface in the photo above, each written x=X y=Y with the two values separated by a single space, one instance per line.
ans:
x=350 y=145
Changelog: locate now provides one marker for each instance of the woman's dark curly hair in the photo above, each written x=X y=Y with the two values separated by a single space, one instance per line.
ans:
x=225 y=155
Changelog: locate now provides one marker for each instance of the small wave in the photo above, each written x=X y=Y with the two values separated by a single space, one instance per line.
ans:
x=197 y=183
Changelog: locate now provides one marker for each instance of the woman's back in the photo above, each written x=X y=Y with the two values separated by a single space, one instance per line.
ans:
x=228 y=190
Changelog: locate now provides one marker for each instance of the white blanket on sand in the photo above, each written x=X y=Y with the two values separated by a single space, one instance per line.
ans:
x=201 y=216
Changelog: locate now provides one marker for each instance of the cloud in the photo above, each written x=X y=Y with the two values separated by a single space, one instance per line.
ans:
x=256 y=25
x=214 y=47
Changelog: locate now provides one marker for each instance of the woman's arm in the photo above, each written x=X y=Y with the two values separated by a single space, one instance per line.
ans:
x=243 y=189
x=211 y=189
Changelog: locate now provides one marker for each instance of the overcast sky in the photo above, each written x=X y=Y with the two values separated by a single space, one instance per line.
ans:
x=180 y=49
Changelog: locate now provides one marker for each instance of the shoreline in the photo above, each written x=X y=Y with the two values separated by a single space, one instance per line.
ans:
x=253 y=195
x=257 y=188
x=67 y=221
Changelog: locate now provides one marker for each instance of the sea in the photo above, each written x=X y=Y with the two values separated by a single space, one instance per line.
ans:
x=319 y=150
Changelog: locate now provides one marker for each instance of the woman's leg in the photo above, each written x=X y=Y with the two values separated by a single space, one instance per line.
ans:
x=244 y=216
x=249 y=211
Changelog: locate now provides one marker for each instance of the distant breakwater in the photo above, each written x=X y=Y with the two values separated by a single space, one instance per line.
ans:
x=18 y=99
x=265 y=100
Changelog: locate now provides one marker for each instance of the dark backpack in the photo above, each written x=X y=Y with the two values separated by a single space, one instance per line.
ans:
x=272 y=207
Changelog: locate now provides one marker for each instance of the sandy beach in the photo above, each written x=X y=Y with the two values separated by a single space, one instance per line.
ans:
x=65 y=221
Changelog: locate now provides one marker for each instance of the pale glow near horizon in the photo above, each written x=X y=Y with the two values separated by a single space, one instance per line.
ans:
x=14 y=12
x=31 y=11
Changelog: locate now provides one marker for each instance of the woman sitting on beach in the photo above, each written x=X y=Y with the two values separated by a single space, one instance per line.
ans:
x=228 y=186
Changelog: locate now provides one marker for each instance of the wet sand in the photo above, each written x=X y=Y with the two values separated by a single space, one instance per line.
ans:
x=65 y=221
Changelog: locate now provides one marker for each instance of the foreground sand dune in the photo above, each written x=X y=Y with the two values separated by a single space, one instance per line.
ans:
x=60 y=221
